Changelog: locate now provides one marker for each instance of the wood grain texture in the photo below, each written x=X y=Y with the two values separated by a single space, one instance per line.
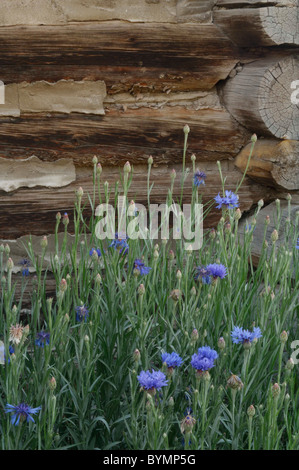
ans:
x=119 y=136
x=124 y=55
x=275 y=163
x=259 y=97
x=263 y=23
x=34 y=210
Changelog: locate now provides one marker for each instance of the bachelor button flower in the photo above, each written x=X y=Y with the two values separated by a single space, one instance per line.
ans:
x=216 y=270
x=140 y=268
x=297 y=246
x=81 y=313
x=152 y=381
x=203 y=273
x=204 y=359
x=42 y=339
x=229 y=201
x=97 y=250
x=199 y=178
x=25 y=263
x=239 y=335
x=120 y=244
x=172 y=360
x=16 y=333
x=21 y=412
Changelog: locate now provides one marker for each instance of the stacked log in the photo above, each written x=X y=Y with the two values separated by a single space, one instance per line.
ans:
x=120 y=80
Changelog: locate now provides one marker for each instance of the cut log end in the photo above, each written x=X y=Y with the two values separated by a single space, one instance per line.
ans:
x=260 y=24
x=260 y=98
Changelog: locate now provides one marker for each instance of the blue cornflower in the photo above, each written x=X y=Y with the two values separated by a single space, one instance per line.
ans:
x=229 y=201
x=21 y=412
x=297 y=246
x=199 y=178
x=172 y=360
x=140 y=268
x=153 y=381
x=97 y=250
x=25 y=263
x=120 y=244
x=81 y=313
x=204 y=274
x=42 y=339
x=239 y=335
x=204 y=359
x=216 y=270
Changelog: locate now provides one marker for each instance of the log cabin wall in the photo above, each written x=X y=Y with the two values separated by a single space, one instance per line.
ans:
x=120 y=78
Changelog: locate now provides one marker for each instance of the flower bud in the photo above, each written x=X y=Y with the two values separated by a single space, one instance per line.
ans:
x=237 y=214
x=65 y=219
x=212 y=233
x=274 y=236
x=275 y=390
x=186 y=129
x=58 y=217
x=44 y=242
x=1 y=248
x=141 y=289
x=194 y=335
x=251 y=411
x=79 y=193
x=187 y=424
x=193 y=158
x=171 y=254
x=171 y=402
x=7 y=249
x=127 y=167
x=99 y=169
x=94 y=160
x=63 y=285
x=86 y=339
x=176 y=294
x=290 y=364
x=253 y=138
x=10 y=264
x=234 y=382
x=156 y=254
x=221 y=343
x=98 y=279
x=193 y=290
x=283 y=337
x=136 y=355
x=179 y=275
x=173 y=174
x=288 y=197
x=267 y=220
x=52 y=383
x=227 y=228
x=260 y=203
x=150 y=160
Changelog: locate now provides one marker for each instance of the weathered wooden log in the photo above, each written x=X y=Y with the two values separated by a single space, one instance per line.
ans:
x=258 y=23
x=149 y=56
x=258 y=235
x=275 y=163
x=34 y=210
x=259 y=97
x=119 y=136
